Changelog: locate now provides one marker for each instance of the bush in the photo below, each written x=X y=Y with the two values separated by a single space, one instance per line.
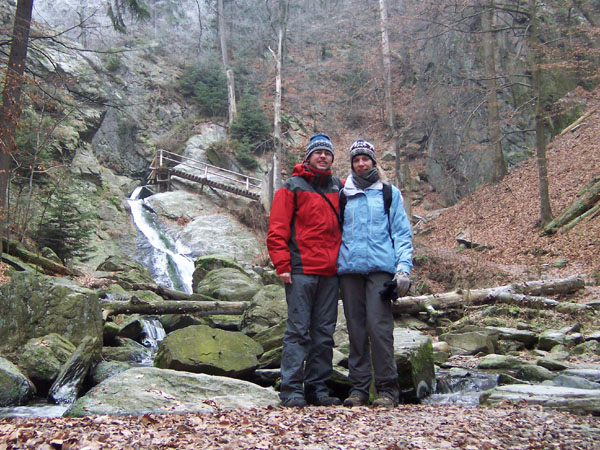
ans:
x=243 y=153
x=63 y=228
x=113 y=62
x=252 y=127
x=207 y=88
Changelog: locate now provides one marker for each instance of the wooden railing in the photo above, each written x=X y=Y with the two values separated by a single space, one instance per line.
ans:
x=165 y=164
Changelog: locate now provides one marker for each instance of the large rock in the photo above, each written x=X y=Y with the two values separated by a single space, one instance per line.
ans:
x=69 y=382
x=42 y=359
x=201 y=349
x=267 y=308
x=15 y=388
x=499 y=362
x=151 y=390
x=205 y=264
x=413 y=352
x=228 y=285
x=127 y=350
x=578 y=401
x=471 y=341
x=272 y=337
x=220 y=234
x=34 y=305
x=125 y=272
x=528 y=338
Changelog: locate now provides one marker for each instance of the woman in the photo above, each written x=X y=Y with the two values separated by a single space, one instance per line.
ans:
x=375 y=254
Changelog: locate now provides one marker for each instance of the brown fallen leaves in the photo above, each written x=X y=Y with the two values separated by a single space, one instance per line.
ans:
x=405 y=427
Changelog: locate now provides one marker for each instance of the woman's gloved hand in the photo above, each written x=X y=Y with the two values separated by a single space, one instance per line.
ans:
x=388 y=293
x=403 y=283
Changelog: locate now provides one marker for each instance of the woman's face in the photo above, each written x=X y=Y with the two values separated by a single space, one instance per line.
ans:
x=361 y=164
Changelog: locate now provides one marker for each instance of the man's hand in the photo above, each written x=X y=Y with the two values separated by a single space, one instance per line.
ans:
x=286 y=277
x=403 y=282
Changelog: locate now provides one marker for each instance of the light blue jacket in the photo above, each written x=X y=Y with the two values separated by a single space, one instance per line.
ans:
x=366 y=243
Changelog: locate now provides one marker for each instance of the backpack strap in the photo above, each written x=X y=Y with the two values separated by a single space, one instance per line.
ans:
x=387 y=204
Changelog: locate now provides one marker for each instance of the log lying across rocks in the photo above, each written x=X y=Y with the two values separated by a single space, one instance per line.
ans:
x=200 y=308
x=528 y=294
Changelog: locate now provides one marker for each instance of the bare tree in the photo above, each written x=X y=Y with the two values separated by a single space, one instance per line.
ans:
x=226 y=64
x=540 y=131
x=499 y=168
x=402 y=168
x=282 y=18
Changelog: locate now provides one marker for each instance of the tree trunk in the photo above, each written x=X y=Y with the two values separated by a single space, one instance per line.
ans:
x=540 y=132
x=283 y=6
x=199 y=308
x=489 y=54
x=526 y=294
x=226 y=65
x=10 y=111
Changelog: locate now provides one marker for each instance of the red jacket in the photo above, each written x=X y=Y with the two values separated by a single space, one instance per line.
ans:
x=304 y=231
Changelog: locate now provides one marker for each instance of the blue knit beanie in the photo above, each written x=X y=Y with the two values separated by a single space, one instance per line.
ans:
x=319 y=142
x=362 y=147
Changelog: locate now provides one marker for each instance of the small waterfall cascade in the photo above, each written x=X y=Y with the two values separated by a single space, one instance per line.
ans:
x=164 y=256
x=152 y=331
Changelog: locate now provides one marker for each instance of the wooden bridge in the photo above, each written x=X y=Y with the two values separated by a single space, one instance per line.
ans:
x=167 y=164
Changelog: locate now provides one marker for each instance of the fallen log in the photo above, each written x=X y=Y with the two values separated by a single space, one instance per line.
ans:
x=47 y=265
x=529 y=293
x=200 y=308
x=587 y=199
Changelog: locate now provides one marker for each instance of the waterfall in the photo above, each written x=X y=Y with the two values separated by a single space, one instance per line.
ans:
x=153 y=332
x=164 y=257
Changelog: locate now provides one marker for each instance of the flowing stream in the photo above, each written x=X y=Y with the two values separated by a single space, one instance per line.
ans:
x=161 y=254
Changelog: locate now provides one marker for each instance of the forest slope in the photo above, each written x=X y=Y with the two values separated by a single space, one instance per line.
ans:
x=505 y=216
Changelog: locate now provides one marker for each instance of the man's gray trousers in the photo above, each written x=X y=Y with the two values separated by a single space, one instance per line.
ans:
x=308 y=339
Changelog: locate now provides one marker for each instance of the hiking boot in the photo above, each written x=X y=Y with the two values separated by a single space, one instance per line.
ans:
x=326 y=400
x=356 y=400
x=385 y=400
x=294 y=402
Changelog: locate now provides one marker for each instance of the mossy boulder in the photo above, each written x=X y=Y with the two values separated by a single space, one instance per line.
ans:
x=125 y=272
x=267 y=308
x=201 y=349
x=15 y=388
x=413 y=352
x=205 y=264
x=228 y=285
x=127 y=350
x=35 y=305
x=42 y=358
x=150 y=390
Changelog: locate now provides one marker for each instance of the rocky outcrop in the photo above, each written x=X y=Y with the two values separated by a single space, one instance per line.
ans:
x=201 y=349
x=35 y=305
x=150 y=390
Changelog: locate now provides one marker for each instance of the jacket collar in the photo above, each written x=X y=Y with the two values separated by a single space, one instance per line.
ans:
x=314 y=176
x=350 y=189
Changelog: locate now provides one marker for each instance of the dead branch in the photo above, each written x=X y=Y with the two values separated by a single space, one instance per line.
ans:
x=529 y=293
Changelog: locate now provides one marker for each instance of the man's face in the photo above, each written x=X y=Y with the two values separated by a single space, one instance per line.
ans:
x=321 y=160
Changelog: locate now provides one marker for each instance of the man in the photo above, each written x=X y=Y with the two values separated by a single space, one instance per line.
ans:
x=303 y=242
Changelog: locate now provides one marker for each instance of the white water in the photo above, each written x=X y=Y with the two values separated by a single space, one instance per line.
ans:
x=164 y=257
